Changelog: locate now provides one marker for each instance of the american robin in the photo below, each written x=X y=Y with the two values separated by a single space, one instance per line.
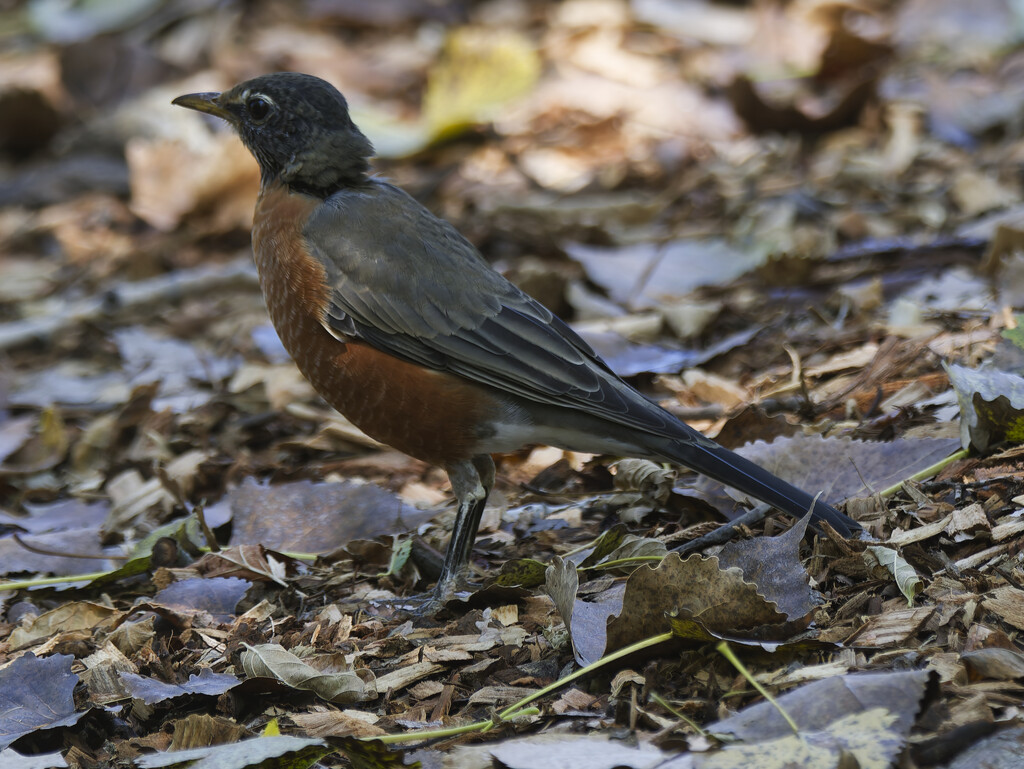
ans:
x=402 y=326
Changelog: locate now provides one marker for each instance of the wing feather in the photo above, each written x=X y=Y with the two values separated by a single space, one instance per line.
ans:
x=436 y=302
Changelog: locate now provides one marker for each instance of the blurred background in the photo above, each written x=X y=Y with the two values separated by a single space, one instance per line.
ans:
x=765 y=127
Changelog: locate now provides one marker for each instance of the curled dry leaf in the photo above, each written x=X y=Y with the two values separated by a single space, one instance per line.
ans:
x=44 y=449
x=616 y=545
x=650 y=479
x=274 y=661
x=892 y=562
x=249 y=562
x=78 y=615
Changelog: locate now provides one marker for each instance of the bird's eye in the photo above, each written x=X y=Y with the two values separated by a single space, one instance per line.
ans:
x=258 y=108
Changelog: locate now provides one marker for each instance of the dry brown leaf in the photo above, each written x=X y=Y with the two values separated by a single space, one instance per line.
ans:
x=274 y=661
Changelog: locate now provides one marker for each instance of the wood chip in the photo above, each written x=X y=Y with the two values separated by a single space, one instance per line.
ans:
x=892 y=628
x=978 y=559
x=929 y=530
x=1007 y=603
x=426 y=689
x=968 y=522
x=500 y=695
x=573 y=700
x=259 y=613
x=1006 y=529
x=445 y=655
x=506 y=615
x=949 y=666
x=336 y=723
x=801 y=675
x=406 y=676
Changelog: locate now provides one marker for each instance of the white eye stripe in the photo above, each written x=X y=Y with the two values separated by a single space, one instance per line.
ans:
x=257 y=95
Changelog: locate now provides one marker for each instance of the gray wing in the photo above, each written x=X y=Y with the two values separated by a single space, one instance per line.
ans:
x=437 y=303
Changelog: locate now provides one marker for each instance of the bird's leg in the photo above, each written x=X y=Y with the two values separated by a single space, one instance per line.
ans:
x=471 y=481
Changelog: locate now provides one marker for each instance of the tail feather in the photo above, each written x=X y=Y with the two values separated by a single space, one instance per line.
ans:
x=731 y=469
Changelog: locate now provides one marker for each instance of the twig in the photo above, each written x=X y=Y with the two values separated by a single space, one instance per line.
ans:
x=724 y=533
x=59 y=554
x=211 y=539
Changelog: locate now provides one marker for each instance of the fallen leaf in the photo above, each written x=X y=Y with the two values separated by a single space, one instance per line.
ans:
x=991 y=406
x=317 y=517
x=889 y=560
x=839 y=467
x=77 y=615
x=868 y=715
x=720 y=600
x=274 y=661
x=36 y=694
x=293 y=752
x=773 y=565
x=568 y=751
x=218 y=596
x=151 y=691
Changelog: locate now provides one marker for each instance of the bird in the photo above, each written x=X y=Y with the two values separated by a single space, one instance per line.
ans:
x=402 y=326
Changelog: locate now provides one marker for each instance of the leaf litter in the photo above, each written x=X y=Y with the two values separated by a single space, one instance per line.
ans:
x=795 y=225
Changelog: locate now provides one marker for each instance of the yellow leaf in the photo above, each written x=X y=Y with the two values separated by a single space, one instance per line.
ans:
x=479 y=71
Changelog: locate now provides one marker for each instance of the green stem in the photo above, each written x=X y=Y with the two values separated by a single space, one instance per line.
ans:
x=928 y=472
x=518 y=709
x=23 y=584
x=688 y=721
x=435 y=734
x=725 y=651
x=625 y=651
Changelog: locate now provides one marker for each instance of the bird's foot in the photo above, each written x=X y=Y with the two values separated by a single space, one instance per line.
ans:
x=430 y=603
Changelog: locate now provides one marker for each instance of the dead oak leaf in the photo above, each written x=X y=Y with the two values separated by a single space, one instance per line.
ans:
x=718 y=599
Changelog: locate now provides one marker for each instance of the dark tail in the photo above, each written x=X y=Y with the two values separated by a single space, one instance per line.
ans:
x=733 y=470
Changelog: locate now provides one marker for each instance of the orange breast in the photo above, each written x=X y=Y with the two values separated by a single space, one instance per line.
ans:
x=427 y=414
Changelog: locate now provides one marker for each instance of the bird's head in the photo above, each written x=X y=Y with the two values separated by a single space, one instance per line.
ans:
x=298 y=128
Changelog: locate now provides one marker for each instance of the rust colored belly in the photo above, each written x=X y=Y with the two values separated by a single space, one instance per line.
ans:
x=427 y=414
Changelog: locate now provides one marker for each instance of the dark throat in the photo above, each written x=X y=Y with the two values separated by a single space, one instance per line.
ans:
x=328 y=163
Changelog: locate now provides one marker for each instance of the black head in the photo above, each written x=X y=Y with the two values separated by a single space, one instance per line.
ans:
x=298 y=128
